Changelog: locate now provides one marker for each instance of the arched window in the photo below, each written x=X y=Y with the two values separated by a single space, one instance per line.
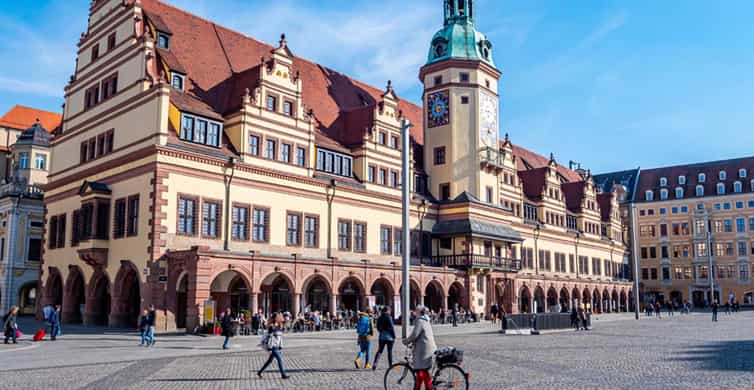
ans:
x=723 y=175
x=738 y=187
x=663 y=181
x=742 y=173
x=649 y=196
x=702 y=178
x=720 y=189
x=663 y=194
x=700 y=190
x=682 y=180
x=678 y=193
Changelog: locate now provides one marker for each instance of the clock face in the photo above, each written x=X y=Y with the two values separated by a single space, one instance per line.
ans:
x=488 y=129
x=438 y=109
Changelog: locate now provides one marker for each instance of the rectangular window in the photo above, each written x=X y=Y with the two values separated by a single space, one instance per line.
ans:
x=397 y=242
x=288 y=108
x=394 y=142
x=102 y=227
x=394 y=179
x=53 y=225
x=285 y=153
x=211 y=219
x=301 y=156
x=335 y=163
x=270 y=149
x=383 y=176
x=260 y=221
x=95 y=52
x=740 y=225
x=213 y=135
x=200 y=131
x=111 y=42
x=109 y=140
x=132 y=228
x=360 y=237
x=311 y=235
x=187 y=128
x=488 y=192
x=371 y=173
x=109 y=87
x=23 y=160
x=35 y=250
x=40 y=161
x=272 y=103
x=344 y=235
x=382 y=138
x=254 y=145
x=385 y=240
x=240 y=223
x=445 y=191
x=84 y=154
x=293 y=229
x=440 y=155
x=91 y=97
x=75 y=227
x=119 y=224
x=187 y=216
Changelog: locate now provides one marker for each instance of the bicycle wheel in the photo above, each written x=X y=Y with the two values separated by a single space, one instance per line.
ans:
x=451 y=377
x=399 y=376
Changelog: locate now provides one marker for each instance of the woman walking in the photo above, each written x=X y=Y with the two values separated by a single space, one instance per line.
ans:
x=424 y=348
x=364 y=330
x=10 y=327
x=273 y=342
x=387 y=337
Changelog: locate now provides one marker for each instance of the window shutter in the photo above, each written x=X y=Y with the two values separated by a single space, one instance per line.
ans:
x=61 y=231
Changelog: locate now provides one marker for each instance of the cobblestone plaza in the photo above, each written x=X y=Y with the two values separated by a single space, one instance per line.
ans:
x=680 y=352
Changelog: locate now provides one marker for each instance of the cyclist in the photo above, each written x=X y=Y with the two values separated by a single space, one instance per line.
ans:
x=423 y=340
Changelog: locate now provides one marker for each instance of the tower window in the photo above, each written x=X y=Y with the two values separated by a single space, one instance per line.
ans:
x=438 y=80
x=440 y=155
x=464 y=77
x=464 y=100
x=487 y=83
x=445 y=191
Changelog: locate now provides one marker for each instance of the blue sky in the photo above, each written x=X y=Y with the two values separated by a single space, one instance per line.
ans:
x=611 y=84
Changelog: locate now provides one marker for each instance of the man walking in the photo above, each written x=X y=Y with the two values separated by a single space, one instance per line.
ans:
x=226 y=325
x=494 y=310
x=714 y=310
x=454 y=315
x=54 y=321
x=151 y=321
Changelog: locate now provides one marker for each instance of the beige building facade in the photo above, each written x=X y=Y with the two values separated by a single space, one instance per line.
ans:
x=199 y=167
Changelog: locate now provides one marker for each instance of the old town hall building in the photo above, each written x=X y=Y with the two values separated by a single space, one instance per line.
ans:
x=196 y=165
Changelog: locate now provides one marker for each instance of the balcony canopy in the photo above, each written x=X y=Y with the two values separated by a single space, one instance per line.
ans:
x=476 y=228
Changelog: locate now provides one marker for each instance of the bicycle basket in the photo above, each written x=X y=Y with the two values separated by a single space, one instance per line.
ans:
x=449 y=356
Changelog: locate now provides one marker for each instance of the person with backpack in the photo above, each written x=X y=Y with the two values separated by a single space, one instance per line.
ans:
x=273 y=342
x=10 y=326
x=387 y=336
x=54 y=322
x=365 y=330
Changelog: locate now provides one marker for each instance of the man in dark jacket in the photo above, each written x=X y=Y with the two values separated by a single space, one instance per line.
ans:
x=10 y=326
x=454 y=314
x=54 y=321
x=226 y=326
x=387 y=336
x=151 y=321
x=494 y=311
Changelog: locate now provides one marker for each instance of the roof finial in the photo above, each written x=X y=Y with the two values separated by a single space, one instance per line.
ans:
x=37 y=121
x=390 y=86
x=507 y=138
x=552 y=158
x=283 y=42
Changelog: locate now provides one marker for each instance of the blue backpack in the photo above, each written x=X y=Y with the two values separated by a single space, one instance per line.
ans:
x=364 y=328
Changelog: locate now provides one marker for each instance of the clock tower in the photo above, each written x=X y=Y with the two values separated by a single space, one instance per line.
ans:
x=461 y=119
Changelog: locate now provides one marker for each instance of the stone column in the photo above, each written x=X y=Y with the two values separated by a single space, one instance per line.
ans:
x=333 y=304
x=254 y=302
x=296 y=304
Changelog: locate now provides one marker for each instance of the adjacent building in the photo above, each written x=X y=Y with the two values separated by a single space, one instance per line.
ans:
x=25 y=135
x=197 y=166
x=693 y=231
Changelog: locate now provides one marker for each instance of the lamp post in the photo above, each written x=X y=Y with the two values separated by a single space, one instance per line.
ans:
x=229 y=178
x=405 y=189
x=711 y=270
x=422 y=214
x=537 y=231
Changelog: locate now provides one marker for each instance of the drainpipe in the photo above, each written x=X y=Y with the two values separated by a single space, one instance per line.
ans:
x=232 y=165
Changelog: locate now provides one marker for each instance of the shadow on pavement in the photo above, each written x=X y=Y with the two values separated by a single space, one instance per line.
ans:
x=721 y=356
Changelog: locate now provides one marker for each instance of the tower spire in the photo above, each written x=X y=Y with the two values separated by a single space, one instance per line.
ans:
x=459 y=11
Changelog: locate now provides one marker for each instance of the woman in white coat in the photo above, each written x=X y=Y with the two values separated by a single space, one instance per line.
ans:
x=424 y=347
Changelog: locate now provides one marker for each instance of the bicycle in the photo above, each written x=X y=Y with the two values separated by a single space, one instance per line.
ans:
x=448 y=373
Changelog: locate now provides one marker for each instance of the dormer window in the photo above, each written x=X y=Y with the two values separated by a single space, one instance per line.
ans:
x=663 y=194
x=720 y=189
x=177 y=81
x=742 y=173
x=723 y=175
x=649 y=196
x=738 y=187
x=339 y=164
x=679 y=193
x=702 y=178
x=288 y=108
x=200 y=130
x=163 y=41
x=663 y=181
x=700 y=190
x=682 y=180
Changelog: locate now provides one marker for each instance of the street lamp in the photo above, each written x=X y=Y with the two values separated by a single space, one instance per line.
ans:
x=406 y=201
x=232 y=162
x=330 y=193
x=422 y=214
x=537 y=231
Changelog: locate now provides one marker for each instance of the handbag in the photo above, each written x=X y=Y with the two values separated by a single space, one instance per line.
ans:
x=18 y=334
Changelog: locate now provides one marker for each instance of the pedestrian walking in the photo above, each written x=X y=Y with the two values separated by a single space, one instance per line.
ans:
x=575 y=317
x=714 y=310
x=494 y=311
x=54 y=322
x=424 y=347
x=727 y=308
x=583 y=317
x=151 y=321
x=144 y=328
x=658 y=310
x=10 y=325
x=650 y=309
x=454 y=315
x=273 y=342
x=670 y=309
x=226 y=327
x=387 y=337
x=364 y=330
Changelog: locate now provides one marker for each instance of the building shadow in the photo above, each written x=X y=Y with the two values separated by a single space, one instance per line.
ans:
x=721 y=356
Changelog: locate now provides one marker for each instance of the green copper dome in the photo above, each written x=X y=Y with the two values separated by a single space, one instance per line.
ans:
x=459 y=39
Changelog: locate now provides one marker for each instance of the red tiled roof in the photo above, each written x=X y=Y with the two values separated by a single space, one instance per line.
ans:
x=605 y=201
x=22 y=118
x=574 y=195
x=214 y=58
x=526 y=159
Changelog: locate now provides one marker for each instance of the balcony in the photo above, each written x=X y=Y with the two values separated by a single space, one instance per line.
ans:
x=465 y=261
x=491 y=158
x=20 y=188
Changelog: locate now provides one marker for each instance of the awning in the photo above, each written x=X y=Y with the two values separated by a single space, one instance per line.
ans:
x=476 y=228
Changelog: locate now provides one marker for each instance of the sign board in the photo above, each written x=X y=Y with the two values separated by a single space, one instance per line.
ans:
x=163 y=279
x=209 y=311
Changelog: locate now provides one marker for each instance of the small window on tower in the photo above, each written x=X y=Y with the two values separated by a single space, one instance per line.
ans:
x=464 y=100
x=464 y=77
x=438 y=80
x=487 y=83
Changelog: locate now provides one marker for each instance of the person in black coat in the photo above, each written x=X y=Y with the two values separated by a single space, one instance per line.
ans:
x=494 y=311
x=454 y=315
x=226 y=327
x=387 y=336
x=10 y=326
x=575 y=317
